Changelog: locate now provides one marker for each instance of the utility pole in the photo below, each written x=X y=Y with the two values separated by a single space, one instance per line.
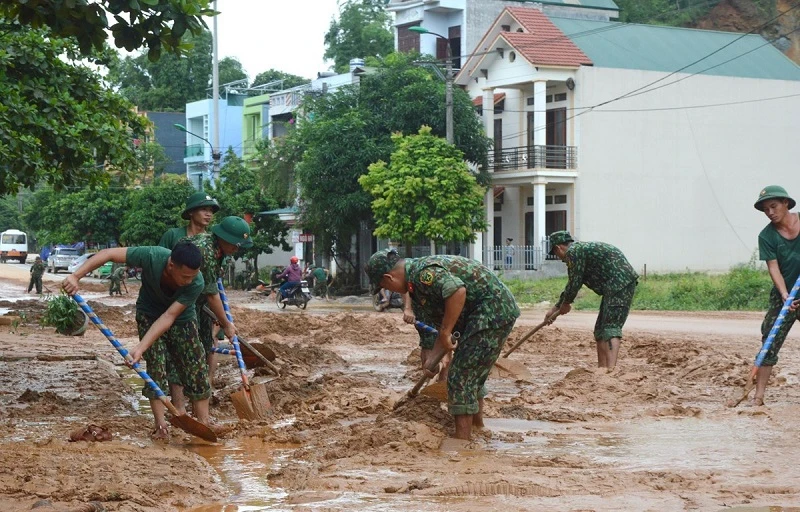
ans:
x=216 y=155
x=448 y=97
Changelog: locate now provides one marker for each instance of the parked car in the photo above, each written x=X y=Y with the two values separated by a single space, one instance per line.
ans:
x=77 y=262
x=104 y=271
x=61 y=258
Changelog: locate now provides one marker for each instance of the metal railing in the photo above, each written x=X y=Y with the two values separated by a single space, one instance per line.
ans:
x=514 y=257
x=530 y=157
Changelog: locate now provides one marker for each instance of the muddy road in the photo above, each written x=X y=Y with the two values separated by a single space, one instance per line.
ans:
x=652 y=435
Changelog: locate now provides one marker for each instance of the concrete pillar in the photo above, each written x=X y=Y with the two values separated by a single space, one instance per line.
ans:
x=539 y=113
x=539 y=185
x=489 y=238
x=488 y=112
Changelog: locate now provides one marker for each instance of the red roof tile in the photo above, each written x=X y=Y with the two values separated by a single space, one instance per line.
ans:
x=478 y=101
x=542 y=42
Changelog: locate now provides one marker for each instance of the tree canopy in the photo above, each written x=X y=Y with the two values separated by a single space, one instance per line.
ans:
x=169 y=83
x=272 y=75
x=155 y=24
x=426 y=190
x=153 y=209
x=363 y=30
x=57 y=123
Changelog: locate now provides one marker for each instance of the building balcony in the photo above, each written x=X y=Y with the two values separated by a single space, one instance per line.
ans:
x=194 y=150
x=534 y=157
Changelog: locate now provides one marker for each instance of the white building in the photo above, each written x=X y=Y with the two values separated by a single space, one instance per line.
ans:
x=653 y=138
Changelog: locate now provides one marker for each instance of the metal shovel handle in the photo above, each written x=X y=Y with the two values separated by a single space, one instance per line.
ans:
x=434 y=364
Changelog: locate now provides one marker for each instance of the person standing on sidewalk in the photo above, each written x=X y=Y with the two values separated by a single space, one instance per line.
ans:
x=779 y=246
x=605 y=270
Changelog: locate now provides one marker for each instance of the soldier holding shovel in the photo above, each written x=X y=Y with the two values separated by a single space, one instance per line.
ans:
x=166 y=320
x=457 y=295
x=779 y=246
x=605 y=270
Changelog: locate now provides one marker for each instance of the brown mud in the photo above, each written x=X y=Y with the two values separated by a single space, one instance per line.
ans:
x=654 y=434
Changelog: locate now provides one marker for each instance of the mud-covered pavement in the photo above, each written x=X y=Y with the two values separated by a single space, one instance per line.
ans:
x=653 y=435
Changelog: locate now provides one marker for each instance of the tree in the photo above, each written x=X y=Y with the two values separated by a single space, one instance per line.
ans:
x=9 y=214
x=157 y=24
x=425 y=191
x=152 y=159
x=230 y=70
x=57 y=123
x=238 y=194
x=168 y=84
x=272 y=75
x=363 y=30
x=154 y=209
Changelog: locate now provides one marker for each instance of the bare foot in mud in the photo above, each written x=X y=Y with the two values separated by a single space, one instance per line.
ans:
x=452 y=444
x=755 y=402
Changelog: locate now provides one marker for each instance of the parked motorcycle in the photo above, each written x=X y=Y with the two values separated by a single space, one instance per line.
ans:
x=379 y=301
x=298 y=295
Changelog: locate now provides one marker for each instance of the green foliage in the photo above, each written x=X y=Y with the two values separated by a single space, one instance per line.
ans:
x=272 y=75
x=665 y=12
x=425 y=191
x=152 y=159
x=62 y=313
x=230 y=70
x=57 y=123
x=744 y=288
x=275 y=161
x=169 y=83
x=363 y=30
x=157 y=24
x=9 y=214
x=239 y=194
x=153 y=209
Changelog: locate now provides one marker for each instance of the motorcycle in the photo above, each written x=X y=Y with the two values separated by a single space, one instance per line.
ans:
x=298 y=295
x=379 y=301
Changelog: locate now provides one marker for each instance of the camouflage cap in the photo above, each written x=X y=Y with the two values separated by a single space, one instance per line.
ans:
x=773 y=192
x=382 y=262
x=558 y=238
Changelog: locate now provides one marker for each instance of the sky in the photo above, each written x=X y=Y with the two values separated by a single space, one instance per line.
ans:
x=287 y=35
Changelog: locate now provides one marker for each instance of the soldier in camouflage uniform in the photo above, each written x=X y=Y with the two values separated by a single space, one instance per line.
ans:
x=225 y=239
x=37 y=270
x=779 y=246
x=115 y=279
x=605 y=270
x=454 y=294
x=199 y=211
x=166 y=320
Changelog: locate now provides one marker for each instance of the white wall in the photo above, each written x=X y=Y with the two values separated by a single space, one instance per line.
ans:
x=675 y=189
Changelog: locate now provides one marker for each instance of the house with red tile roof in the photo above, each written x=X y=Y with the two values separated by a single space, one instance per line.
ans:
x=655 y=139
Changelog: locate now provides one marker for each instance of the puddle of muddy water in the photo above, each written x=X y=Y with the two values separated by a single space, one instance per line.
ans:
x=652 y=444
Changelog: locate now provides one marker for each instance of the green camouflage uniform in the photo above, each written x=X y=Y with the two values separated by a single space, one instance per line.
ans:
x=211 y=268
x=489 y=313
x=605 y=270
x=37 y=270
x=179 y=343
x=320 y=282
x=116 y=280
x=172 y=237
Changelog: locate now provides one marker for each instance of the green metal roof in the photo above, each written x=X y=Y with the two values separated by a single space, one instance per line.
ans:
x=607 y=5
x=280 y=211
x=661 y=48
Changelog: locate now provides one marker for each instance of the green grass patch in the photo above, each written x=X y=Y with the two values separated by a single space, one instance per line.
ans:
x=744 y=288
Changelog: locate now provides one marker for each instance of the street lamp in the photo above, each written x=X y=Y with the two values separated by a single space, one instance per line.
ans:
x=448 y=95
x=216 y=156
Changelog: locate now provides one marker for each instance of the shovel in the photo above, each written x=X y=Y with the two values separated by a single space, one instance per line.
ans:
x=250 y=402
x=252 y=357
x=182 y=421
x=751 y=379
x=438 y=389
x=516 y=368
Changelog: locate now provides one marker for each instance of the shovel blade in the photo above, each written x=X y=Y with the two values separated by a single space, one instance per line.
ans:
x=253 y=405
x=512 y=369
x=194 y=427
x=437 y=390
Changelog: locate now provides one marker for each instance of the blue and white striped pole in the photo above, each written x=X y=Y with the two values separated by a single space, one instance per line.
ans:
x=235 y=339
x=776 y=326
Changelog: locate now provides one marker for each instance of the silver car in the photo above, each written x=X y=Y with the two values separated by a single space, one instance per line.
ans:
x=61 y=258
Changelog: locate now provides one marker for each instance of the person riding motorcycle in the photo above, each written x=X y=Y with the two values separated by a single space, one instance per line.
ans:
x=293 y=275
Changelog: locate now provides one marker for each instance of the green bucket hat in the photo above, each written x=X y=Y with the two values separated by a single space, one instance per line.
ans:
x=558 y=238
x=234 y=230
x=198 y=200
x=382 y=262
x=773 y=192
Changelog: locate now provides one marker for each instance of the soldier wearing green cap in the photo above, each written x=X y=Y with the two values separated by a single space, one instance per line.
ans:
x=225 y=239
x=454 y=294
x=779 y=246
x=199 y=211
x=605 y=270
